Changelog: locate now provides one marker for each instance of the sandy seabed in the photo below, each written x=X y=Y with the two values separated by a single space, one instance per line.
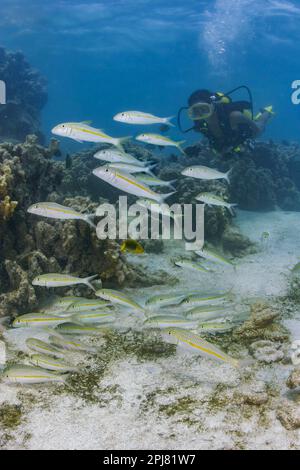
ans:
x=174 y=401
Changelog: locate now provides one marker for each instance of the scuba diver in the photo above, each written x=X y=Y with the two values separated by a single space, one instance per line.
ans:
x=225 y=123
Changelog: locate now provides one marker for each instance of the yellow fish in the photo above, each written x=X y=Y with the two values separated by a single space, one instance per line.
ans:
x=132 y=246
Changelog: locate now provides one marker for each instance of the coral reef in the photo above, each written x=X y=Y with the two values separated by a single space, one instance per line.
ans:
x=263 y=177
x=31 y=245
x=26 y=97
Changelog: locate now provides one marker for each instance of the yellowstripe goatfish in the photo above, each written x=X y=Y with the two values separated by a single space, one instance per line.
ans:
x=23 y=374
x=164 y=300
x=116 y=156
x=119 y=298
x=199 y=345
x=190 y=265
x=129 y=168
x=38 y=320
x=204 y=299
x=205 y=173
x=76 y=329
x=138 y=117
x=207 y=312
x=83 y=132
x=168 y=321
x=95 y=316
x=49 y=363
x=56 y=211
x=70 y=345
x=62 y=280
x=128 y=183
x=86 y=305
x=213 y=256
x=60 y=305
x=37 y=345
x=213 y=200
x=161 y=140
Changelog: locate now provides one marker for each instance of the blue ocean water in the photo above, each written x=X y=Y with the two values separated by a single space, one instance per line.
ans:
x=102 y=57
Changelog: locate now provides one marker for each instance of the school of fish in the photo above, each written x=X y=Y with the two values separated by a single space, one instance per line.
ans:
x=182 y=317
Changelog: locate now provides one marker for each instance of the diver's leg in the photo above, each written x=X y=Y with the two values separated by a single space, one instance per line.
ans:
x=261 y=122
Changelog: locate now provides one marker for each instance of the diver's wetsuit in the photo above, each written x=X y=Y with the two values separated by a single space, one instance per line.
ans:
x=229 y=138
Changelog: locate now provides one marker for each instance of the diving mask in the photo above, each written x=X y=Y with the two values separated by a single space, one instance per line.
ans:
x=200 y=111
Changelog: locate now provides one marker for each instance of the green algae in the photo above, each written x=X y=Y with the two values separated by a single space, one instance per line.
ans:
x=181 y=405
x=150 y=400
x=143 y=346
x=218 y=399
x=10 y=415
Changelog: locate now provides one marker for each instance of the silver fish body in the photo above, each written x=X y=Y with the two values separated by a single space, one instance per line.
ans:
x=42 y=347
x=62 y=280
x=23 y=374
x=59 y=212
x=50 y=363
x=128 y=183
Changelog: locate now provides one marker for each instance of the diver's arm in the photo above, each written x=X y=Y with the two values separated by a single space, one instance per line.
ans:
x=237 y=118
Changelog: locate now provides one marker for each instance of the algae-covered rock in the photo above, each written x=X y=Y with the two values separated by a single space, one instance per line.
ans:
x=288 y=414
x=255 y=394
x=267 y=351
x=236 y=243
x=10 y=415
x=293 y=380
x=261 y=325
x=22 y=296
